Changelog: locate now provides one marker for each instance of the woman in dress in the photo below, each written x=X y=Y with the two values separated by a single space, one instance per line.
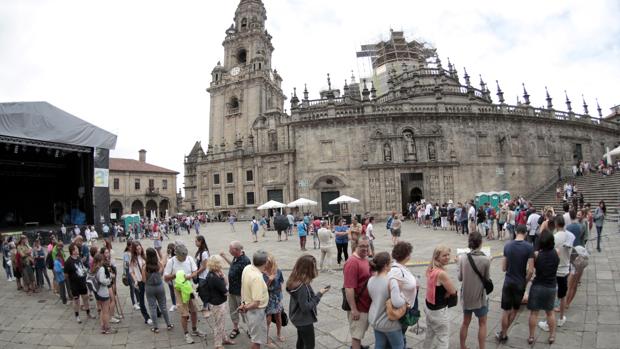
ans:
x=274 y=280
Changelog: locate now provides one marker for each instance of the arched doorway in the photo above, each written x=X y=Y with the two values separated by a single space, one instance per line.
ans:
x=117 y=208
x=163 y=206
x=137 y=207
x=415 y=195
x=329 y=188
x=151 y=206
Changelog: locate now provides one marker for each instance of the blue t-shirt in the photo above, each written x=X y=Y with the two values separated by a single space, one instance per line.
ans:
x=575 y=228
x=341 y=239
x=517 y=253
x=301 y=229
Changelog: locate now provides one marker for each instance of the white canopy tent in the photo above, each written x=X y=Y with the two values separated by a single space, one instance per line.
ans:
x=301 y=202
x=615 y=152
x=271 y=204
x=343 y=199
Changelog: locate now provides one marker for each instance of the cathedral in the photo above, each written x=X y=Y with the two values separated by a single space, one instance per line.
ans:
x=416 y=129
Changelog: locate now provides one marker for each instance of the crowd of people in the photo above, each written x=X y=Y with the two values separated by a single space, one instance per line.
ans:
x=544 y=253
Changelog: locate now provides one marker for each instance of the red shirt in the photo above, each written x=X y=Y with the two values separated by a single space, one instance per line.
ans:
x=522 y=218
x=356 y=275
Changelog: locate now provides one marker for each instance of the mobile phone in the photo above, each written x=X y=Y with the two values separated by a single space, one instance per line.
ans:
x=327 y=286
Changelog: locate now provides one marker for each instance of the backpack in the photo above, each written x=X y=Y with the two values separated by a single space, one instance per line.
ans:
x=389 y=223
x=49 y=261
x=92 y=282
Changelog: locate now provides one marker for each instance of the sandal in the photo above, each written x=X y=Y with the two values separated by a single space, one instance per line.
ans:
x=281 y=339
x=551 y=339
x=155 y=330
x=170 y=327
x=530 y=340
x=234 y=333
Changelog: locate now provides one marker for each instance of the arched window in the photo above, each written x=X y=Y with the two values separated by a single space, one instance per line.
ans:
x=233 y=105
x=242 y=56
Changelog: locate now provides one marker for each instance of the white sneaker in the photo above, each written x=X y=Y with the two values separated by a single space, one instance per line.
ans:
x=114 y=320
x=77 y=318
x=544 y=326
x=149 y=322
x=136 y=306
x=172 y=308
x=561 y=321
x=189 y=339
x=198 y=333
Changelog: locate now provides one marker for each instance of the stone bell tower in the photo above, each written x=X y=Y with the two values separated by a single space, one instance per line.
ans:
x=244 y=87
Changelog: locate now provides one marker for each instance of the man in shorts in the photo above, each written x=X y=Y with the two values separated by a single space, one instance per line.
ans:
x=518 y=264
x=75 y=273
x=356 y=274
x=181 y=261
x=254 y=299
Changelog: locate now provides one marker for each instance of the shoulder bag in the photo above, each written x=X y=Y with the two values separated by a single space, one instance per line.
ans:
x=393 y=313
x=487 y=283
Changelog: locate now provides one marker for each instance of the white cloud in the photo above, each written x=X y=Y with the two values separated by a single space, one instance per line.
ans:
x=140 y=68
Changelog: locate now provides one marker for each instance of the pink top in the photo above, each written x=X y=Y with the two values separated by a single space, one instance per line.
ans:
x=431 y=283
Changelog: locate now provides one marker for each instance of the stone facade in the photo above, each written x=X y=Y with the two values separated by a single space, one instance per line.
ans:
x=431 y=135
x=139 y=187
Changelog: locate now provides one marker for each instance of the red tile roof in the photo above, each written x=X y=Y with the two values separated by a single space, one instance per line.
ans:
x=129 y=165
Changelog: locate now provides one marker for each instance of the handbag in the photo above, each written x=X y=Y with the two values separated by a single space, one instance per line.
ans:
x=284 y=318
x=453 y=300
x=412 y=315
x=345 y=304
x=487 y=283
x=124 y=279
x=393 y=313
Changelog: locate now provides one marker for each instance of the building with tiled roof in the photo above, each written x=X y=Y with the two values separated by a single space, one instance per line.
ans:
x=139 y=187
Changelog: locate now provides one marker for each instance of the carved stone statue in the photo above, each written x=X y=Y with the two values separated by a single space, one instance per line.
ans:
x=387 y=152
x=410 y=150
x=432 y=152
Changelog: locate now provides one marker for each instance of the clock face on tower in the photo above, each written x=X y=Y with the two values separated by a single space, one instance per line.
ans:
x=235 y=71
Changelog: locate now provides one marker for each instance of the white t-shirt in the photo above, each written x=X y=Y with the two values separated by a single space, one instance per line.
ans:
x=532 y=223
x=369 y=231
x=567 y=219
x=471 y=213
x=406 y=281
x=203 y=257
x=563 y=243
x=174 y=265
x=136 y=268
x=427 y=210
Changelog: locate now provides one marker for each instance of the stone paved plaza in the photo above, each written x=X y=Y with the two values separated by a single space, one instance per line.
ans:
x=41 y=321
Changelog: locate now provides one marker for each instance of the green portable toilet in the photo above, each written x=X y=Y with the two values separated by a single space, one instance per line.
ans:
x=495 y=199
x=477 y=200
x=504 y=196
x=129 y=219
x=484 y=198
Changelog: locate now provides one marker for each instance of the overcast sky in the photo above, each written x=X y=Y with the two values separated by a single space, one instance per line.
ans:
x=140 y=68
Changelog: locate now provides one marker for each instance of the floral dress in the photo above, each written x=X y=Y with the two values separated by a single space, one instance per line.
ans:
x=275 y=293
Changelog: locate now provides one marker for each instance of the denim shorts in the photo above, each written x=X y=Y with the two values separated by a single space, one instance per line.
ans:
x=480 y=312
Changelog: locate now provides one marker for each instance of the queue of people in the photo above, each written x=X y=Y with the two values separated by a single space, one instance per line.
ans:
x=546 y=253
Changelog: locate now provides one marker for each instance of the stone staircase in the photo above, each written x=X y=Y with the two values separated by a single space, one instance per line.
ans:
x=594 y=187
